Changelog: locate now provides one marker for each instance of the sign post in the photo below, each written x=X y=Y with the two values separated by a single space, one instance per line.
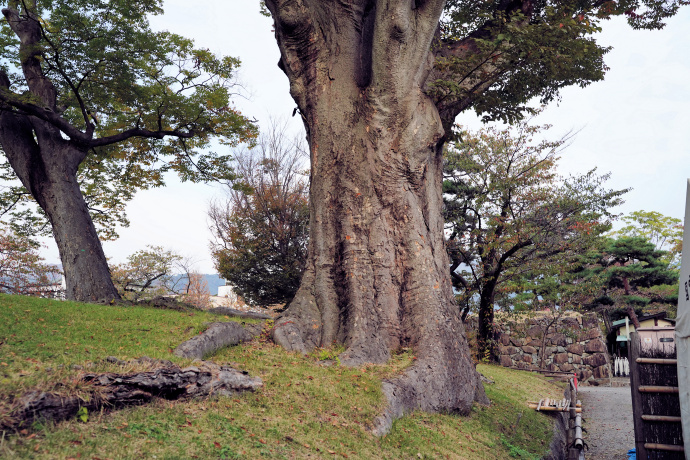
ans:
x=683 y=329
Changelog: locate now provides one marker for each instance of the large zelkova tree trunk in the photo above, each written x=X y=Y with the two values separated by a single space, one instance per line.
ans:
x=47 y=166
x=377 y=275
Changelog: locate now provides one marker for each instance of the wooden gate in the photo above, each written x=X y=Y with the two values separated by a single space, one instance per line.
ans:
x=656 y=407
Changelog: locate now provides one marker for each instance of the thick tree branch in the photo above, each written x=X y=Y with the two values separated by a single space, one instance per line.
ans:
x=403 y=34
x=460 y=279
x=46 y=114
x=77 y=136
x=510 y=252
x=140 y=132
x=28 y=30
x=484 y=71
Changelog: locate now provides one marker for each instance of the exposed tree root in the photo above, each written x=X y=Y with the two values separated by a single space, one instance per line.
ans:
x=170 y=303
x=217 y=336
x=112 y=390
x=166 y=303
x=238 y=313
x=442 y=379
x=425 y=386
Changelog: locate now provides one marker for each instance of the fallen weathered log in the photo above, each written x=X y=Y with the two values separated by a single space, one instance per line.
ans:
x=166 y=303
x=217 y=336
x=174 y=303
x=112 y=390
x=238 y=313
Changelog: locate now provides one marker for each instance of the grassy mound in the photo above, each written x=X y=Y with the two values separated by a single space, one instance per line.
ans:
x=307 y=408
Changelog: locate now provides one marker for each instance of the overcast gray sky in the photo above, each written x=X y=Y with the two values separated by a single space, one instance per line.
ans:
x=634 y=124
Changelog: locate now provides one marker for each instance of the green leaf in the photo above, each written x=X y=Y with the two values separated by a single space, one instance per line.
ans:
x=83 y=414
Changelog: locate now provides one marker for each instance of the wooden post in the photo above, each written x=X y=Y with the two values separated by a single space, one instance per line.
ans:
x=634 y=353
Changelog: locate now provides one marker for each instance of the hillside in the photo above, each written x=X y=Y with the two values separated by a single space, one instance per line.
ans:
x=212 y=280
x=306 y=409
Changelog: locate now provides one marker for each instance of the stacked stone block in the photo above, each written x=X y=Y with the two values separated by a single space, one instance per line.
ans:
x=572 y=344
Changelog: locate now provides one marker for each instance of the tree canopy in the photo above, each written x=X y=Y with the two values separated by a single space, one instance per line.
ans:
x=151 y=272
x=512 y=220
x=112 y=79
x=89 y=92
x=664 y=232
x=22 y=269
x=497 y=56
x=629 y=273
x=260 y=230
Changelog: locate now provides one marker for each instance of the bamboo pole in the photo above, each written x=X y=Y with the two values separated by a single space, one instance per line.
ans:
x=661 y=418
x=578 y=404
x=552 y=408
x=578 y=432
x=657 y=389
x=657 y=361
x=666 y=447
x=633 y=354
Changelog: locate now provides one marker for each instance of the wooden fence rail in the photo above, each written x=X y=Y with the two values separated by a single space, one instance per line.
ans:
x=656 y=409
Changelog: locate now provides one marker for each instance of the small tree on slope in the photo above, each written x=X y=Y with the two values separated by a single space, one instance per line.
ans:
x=511 y=218
x=261 y=228
x=87 y=84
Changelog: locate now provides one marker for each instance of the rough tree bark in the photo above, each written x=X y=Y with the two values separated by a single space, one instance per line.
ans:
x=108 y=391
x=46 y=163
x=377 y=273
x=629 y=308
x=49 y=172
x=217 y=336
x=485 y=329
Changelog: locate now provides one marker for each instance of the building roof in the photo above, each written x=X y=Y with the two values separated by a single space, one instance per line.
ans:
x=661 y=315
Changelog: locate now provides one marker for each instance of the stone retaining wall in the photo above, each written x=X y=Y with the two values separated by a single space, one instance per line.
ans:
x=572 y=344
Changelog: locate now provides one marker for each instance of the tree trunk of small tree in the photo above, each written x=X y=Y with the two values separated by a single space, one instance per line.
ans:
x=485 y=329
x=47 y=166
x=629 y=308
x=377 y=276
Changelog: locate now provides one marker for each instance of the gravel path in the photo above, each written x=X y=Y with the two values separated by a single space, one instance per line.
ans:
x=607 y=414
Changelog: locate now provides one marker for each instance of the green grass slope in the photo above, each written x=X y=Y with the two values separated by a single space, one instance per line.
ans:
x=305 y=410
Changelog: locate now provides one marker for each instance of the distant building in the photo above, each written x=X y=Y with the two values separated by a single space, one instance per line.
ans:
x=621 y=328
x=658 y=338
x=227 y=297
x=50 y=291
